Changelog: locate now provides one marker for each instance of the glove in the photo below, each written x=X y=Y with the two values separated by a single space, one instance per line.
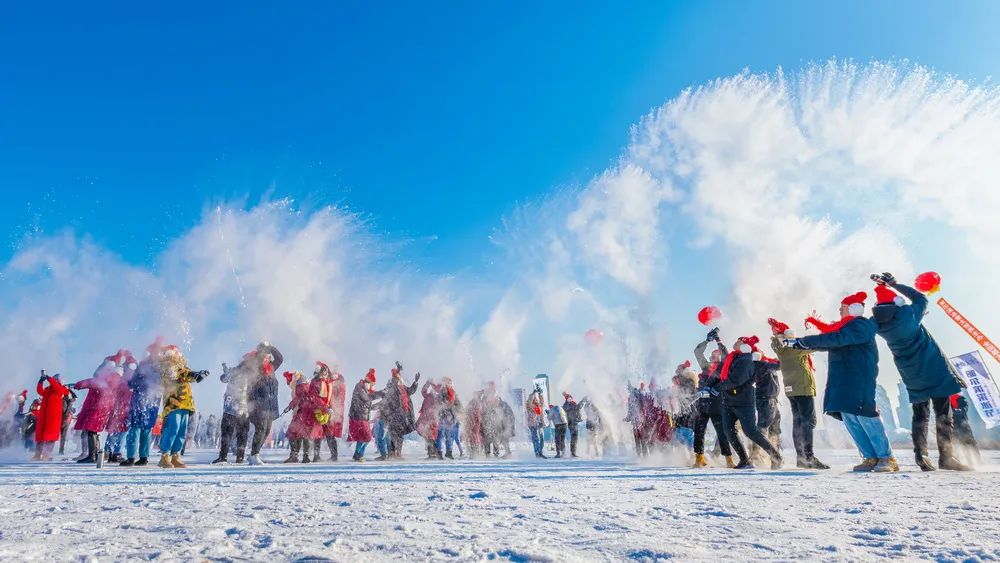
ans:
x=399 y=366
x=199 y=375
x=42 y=378
x=416 y=378
x=794 y=344
x=712 y=335
x=888 y=278
x=704 y=394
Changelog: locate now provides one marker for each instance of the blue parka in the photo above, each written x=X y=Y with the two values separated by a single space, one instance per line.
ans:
x=853 y=359
x=147 y=392
x=921 y=364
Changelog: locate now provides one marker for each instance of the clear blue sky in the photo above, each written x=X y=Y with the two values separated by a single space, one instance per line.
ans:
x=432 y=118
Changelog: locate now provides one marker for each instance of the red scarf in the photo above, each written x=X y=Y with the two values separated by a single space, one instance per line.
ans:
x=727 y=364
x=827 y=328
x=267 y=368
x=404 y=397
x=451 y=394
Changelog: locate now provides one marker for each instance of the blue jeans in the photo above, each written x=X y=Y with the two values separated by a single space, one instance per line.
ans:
x=174 y=430
x=114 y=443
x=359 y=449
x=381 y=438
x=138 y=435
x=447 y=437
x=869 y=435
x=537 y=439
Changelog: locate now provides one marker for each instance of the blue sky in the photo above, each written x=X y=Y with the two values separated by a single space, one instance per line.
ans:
x=431 y=119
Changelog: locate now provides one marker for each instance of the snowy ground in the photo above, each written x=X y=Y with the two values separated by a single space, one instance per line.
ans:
x=517 y=510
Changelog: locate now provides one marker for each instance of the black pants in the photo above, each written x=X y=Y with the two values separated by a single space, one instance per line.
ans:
x=768 y=416
x=62 y=438
x=395 y=444
x=803 y=425
x=942 y=426
x=560 y=439
x=261 y=429
x=91 y=438
x=964 y=435
x=748 y=421
x=234 y=425
x=574 y=433
x=707 y=412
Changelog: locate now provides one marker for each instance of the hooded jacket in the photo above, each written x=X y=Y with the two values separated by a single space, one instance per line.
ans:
x=922 y=366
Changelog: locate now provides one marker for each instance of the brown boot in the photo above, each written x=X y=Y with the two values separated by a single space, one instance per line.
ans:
x=866 y=465
x=165 y=462
x=175 y=460
x=886 y=465
x=699 y=461
x=730 y=463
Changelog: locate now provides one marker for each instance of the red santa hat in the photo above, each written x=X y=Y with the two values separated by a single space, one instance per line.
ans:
x=885 y=296
x=289 y=375
x=855 y=303
x=780 y=328
x=567 y=396
x=683 y=367
x=750 y=342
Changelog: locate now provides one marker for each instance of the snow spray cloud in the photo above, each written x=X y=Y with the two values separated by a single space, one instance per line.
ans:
x=788 y=189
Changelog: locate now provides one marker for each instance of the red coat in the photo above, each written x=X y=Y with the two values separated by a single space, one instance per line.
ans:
x=304 y=405
x=96 y=409
x=50 y=415
x=427 y=421
x=330 y=395
x=119 y=410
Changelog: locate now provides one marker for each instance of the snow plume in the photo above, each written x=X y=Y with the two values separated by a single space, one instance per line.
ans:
x=766 y=194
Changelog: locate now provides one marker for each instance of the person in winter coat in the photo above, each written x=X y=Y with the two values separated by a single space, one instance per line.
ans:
x=48 y=423
x=534 y=417
x=329 y=391
x=178 y=404
x=429 y=418
x=117 y=423
x=236 y=406
x=449 y=415
x=304 y=427
x=799 y=377
x=474 y=423
x=850 y=383
x=922 y=366
x=598 y=437
x=359 y=429
x=505 y=430
x=397 y=407
x=736 y=385
x=963 y=431
x=262 y=398
x=766 y=386
x=29 y=424
x=559 y=423
x=573 y=419
x=144 y=406
x=96 y=410
x=497 y=423
x=709 y=405
x=69 y=416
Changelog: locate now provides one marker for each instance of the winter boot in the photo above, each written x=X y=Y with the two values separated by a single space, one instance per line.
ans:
x=142 y=461
x=128 y=462
x=817 y=464
x=744 y=464
x=332 y=442
x=293 y=457
x=175 y=460
x=776 y=462
x=730 y=464
x=305 y=451
x=220 y=460
x=952 y=464
x=115 y=458
x=239 y=459
x=699 y=461
x=924 y=463
x=803 y=463
x=255 y=460
x=886 y=465
x=866 y=465
x=165 y=462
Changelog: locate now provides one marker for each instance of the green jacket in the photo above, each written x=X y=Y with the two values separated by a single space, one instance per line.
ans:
x=799 y=376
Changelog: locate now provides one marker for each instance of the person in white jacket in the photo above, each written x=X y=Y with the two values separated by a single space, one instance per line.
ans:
x=557 y=415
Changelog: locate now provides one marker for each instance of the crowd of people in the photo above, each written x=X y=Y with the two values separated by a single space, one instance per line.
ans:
x=735 y=391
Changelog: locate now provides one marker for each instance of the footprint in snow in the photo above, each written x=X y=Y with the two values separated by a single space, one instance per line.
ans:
x=479 y=495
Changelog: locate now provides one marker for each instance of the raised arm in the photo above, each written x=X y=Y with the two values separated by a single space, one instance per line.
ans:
x=918 y=299
x=850 y=334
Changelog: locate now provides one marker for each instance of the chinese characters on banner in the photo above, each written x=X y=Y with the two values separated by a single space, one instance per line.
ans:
x=971 y=329
x=981 y=386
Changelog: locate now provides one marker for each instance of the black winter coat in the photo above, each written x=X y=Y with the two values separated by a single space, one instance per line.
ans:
x=765 y=375
x=737 y=389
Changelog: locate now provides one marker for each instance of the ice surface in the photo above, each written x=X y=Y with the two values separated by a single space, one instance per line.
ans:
x=517 y=510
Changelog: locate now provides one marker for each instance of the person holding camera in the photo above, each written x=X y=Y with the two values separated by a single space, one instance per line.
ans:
x=709 y=404
x=850 y=383
x=922 y=366
x=534 y=417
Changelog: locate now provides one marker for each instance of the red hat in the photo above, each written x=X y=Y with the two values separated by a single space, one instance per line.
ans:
x=370 y=376
x=856 y=299
x=684 y=366
x=321 y=365
x=288 y=376
x=777 y=327
x=884 y=295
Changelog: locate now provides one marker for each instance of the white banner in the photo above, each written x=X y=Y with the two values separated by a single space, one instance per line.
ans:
x=982 y=388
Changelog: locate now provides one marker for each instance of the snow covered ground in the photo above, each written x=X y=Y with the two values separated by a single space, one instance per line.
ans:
x=517 y=510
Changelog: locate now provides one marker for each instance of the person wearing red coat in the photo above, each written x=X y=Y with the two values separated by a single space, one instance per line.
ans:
x=428 y=420
x=97 y=407
x=329 y=391
x=304 y=427
x=118 y=421
x=49 y=417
